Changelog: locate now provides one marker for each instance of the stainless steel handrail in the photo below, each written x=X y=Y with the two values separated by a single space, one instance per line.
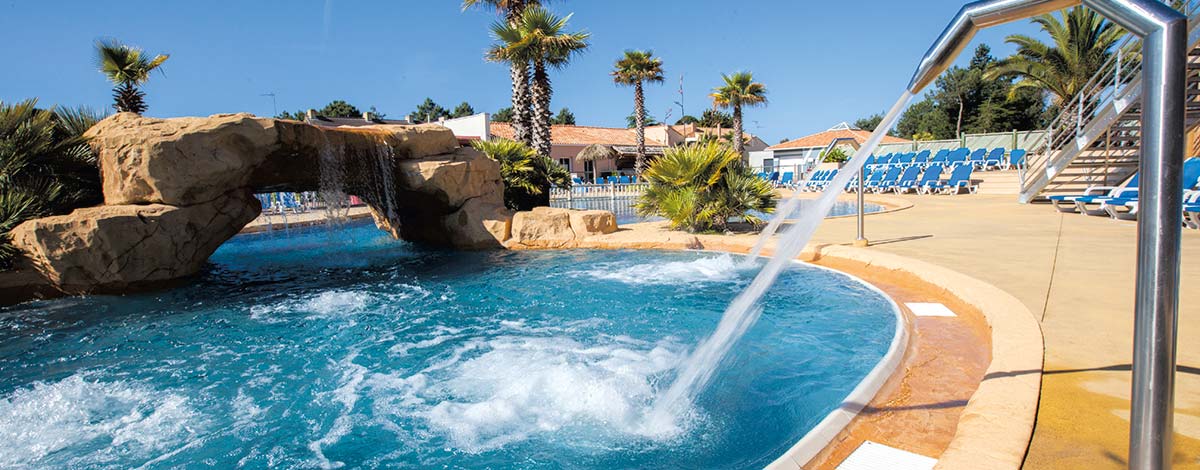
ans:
x=1164 y=34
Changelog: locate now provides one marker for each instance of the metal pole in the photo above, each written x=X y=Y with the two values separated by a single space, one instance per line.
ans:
x=862 y=238
x=1156 y=302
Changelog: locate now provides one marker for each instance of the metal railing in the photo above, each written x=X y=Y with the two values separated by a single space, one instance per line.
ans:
x=1094 y=110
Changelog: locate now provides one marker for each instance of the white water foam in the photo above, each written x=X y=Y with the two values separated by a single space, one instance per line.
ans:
x=346 y=395
x=114 y=417
x=523 y=386
x=719 y=268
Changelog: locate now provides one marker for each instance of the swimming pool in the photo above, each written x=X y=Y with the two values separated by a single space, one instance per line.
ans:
x=622 y=207
x=316 y=348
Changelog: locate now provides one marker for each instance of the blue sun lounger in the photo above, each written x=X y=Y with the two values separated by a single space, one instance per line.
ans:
x=1125 y=206
x=977 y=158
x=960 y=178
x=1191 y=210
x=1016 y=159
x=887 y=180
x=787 y=179
x=907 y=180
x=922 y=159
x=1080 y=203
x=929 y=179
x=994 y=159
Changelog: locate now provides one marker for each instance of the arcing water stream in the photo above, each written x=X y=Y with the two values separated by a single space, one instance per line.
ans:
x=744 y=311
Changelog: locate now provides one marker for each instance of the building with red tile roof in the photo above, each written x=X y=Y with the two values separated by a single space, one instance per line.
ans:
x=805 y=152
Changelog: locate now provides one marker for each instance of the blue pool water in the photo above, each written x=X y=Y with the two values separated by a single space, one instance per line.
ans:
x=622 y=207
x=317 y=349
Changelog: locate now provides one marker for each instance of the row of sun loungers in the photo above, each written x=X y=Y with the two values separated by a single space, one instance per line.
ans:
x=980 y=159
x=921 y=180
x=1121 y=202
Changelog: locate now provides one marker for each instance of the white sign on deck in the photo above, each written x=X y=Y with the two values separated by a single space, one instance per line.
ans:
x=922 y=309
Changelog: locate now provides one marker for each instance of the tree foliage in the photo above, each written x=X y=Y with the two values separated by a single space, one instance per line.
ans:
x=700 y=187
x=636 y=68
x=564 y=118
x=46 y=166
x=631 y=121
x=128 y=68
x=527 y=176
x=429 y=111
x=463 y=109
x=739 y=91
x=965 y=100
x=1082 y=41
x=539 y=41
x=503 y=115
x=716 y=118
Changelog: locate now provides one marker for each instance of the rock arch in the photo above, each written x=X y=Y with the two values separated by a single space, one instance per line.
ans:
x=176 y=189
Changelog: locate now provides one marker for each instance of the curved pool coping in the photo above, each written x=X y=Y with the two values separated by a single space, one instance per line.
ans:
x=819 y=437
x=996 y=425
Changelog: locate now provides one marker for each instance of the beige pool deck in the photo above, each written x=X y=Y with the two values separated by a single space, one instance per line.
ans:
x=1076 y=274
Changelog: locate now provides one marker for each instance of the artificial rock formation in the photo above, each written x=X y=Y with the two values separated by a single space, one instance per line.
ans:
x=175 y=189
x=546 y=227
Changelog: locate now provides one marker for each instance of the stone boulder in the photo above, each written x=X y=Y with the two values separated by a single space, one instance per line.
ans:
x=546 y=227
x=109 y=248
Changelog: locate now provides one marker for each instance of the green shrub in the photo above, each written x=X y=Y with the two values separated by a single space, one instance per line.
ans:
x=46 y=166
x=700 y=187
x=527 y=175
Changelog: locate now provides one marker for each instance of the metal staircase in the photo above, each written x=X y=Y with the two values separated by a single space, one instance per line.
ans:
x=1094 y=140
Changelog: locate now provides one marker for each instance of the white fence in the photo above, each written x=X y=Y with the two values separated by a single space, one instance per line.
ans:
x=599 y=191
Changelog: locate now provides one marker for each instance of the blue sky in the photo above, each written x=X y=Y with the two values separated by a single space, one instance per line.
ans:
x=823 y=62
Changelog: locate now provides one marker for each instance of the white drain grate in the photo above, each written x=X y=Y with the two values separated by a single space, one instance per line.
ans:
x=876 y=456
x=921 y=309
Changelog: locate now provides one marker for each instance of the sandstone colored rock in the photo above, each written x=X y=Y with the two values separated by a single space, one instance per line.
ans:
x=546 y=227
x=112 y=247
x=593 y=222
x=175 y=189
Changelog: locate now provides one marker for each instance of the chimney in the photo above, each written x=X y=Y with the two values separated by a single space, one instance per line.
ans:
x=310 y=115
x=368 y=117
x=408 y=118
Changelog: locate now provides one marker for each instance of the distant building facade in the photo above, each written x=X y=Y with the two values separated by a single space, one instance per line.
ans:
x=806 y=151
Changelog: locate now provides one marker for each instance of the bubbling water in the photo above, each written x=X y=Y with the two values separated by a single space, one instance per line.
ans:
x=744 y=310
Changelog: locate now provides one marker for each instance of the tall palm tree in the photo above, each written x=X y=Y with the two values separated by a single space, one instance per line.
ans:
x=740 y=90
x=635 y=68
x=539 y=40
x=127 y=67
x=1082 y=41
x=518 y=70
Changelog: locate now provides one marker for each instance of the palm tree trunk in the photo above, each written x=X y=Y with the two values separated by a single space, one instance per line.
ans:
x=738 y=146
x=519 y=73
x=539 y=96
x=520 y=103
x=639 y=109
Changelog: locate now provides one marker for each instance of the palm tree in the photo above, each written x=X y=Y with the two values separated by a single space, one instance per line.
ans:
x=1082 y=40
x=635 y=68
x=527 y=176
x=698 y=187
x=539 y=40
x=46 y=166
x=738 y=91
x=513 y=10
x=127 y=67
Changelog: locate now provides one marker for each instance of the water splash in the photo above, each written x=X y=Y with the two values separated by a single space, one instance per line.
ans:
x=744 y=310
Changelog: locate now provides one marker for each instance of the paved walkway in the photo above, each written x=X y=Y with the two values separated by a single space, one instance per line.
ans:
x=1077 y=274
